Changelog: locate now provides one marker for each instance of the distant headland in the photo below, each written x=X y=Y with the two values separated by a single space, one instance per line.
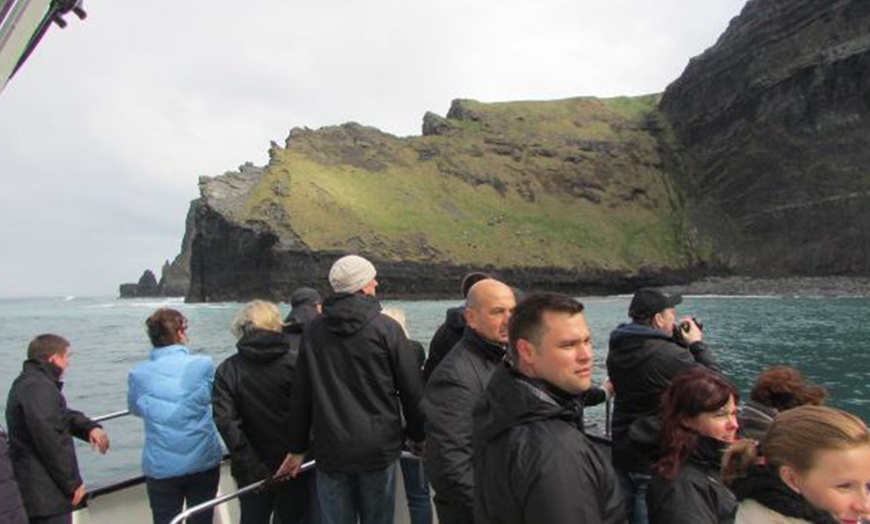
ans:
x=753 y=163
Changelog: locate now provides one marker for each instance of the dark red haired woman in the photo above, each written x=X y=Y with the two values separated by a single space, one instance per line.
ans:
x=699 y=421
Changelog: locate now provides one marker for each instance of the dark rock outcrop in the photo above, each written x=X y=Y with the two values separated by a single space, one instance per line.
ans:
x=753 y=163
x=774 y=121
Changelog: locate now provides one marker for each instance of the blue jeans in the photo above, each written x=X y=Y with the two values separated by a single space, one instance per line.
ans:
x=167 y=496
x=416 y=490
x=634 y=488
x=369 y=496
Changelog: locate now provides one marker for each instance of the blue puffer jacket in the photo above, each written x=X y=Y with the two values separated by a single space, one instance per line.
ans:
x=172 y=393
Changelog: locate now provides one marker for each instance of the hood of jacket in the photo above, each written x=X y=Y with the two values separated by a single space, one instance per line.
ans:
x=263 y=346
x=455 y=318
x=346 y=313
x=628 y=337
x=513 y=399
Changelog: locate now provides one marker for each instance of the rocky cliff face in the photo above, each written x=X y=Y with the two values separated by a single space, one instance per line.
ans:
x=566 y=195
x=775 y=125
x=754 y=161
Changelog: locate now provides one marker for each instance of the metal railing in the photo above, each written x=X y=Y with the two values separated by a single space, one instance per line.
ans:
x=110 y=416
x=184 y=515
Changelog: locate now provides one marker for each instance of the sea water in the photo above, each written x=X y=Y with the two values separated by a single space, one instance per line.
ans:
x=828 y=339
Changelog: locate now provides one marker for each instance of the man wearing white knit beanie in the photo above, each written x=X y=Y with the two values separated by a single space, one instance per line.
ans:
x=353 y=273
x=353 y=362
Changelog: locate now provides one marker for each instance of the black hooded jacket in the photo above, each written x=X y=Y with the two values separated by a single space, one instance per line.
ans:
x=696 y=495
x=41 y=429
x=251 y=403
x=11 y=505
x=641 y=363
x=355 y=365
x=445 y=337
x=532 y=465
x=458 y=382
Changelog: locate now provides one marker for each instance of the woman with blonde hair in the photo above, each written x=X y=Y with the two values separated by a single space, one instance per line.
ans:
x=252 y=411
x=812 y=466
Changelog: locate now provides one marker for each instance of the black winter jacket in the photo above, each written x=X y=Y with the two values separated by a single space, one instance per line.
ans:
x=355 y=365
x=450 y=395
x=641 y=363
x=251 y=403
x=445 y=337
x=41 y=428
x=11 y=505
x=532 y=465
x=696 y=495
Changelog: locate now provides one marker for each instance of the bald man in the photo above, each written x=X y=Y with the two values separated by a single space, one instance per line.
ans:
x=451 y=393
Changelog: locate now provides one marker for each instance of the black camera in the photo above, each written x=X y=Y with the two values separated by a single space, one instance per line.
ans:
x=682 y=328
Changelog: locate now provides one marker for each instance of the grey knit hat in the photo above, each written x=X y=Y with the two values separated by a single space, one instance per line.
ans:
x=351 y=273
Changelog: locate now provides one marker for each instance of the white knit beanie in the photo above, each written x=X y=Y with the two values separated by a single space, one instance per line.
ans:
x=351 y=273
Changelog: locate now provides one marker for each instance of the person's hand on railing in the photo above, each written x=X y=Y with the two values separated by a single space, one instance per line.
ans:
x=99 y=440
x=290 y=466
x=79 y=495
x=417 y=448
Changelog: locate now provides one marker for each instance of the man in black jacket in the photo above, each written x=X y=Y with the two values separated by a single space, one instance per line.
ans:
x=356 y=364
x=41 y=427
x=643 y=359
x=450 y=332
x=532 y=465
x=450 y=395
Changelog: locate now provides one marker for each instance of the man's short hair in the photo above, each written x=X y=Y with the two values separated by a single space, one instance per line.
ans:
x=163 y=326
x=527 y=322
x=45 y=345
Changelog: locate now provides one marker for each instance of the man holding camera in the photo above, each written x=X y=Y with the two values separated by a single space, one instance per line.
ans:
x=644 y=357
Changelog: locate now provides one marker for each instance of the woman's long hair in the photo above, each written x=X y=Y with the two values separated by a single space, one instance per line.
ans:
x=795 y=438
x=692 y=393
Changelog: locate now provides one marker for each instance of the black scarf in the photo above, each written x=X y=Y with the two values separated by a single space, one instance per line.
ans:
x=764 y=486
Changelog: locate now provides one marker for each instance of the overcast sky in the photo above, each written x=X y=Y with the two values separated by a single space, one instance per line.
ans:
x=106 y=129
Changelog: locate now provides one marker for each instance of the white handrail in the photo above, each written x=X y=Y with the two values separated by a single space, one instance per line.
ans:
x=184 y=515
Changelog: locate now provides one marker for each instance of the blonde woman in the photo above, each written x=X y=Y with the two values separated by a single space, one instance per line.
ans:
x=813 y=466
x=252 y=412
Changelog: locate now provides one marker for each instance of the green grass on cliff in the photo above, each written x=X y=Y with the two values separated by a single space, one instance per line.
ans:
x=569 y=183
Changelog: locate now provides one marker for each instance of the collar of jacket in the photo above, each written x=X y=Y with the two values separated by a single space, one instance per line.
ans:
x=550 y=394
x=39 y=366
x=165 y=351
x=633 y=329
x=491 y=350
x=708 y=453
x=763 y=485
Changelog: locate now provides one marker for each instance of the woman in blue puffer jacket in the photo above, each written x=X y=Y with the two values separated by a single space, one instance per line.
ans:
x=172 y=393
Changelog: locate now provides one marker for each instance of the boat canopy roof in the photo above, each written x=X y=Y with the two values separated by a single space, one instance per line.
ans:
x=23 y=23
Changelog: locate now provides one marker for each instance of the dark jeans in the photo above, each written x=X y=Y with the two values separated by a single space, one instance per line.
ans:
x=416 y=490
x=369 y=496
x=453 y=513
x=167 y=496
x=66 y=518
x=291 y=500
x=634 y=488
